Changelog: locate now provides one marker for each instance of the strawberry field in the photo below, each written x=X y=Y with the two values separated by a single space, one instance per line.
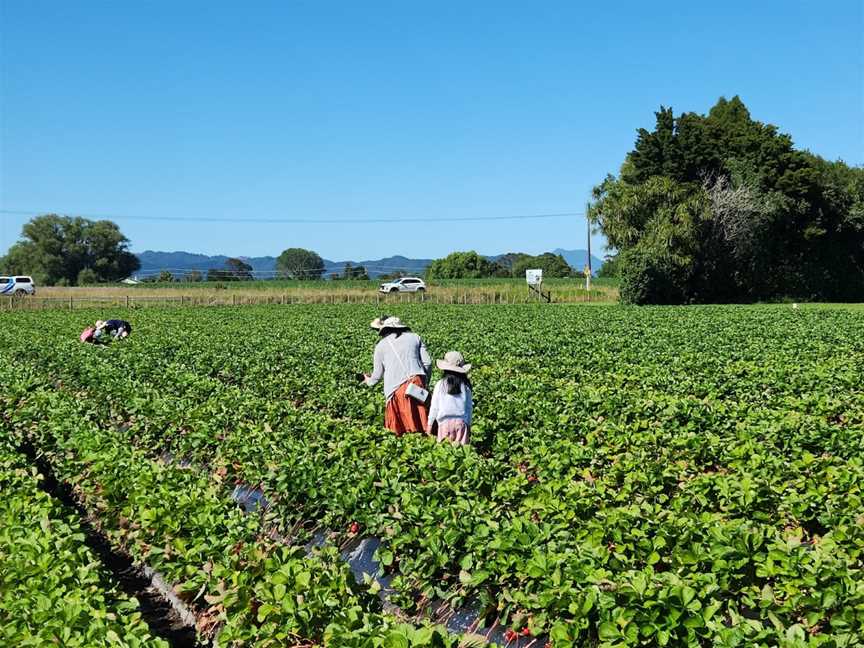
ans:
x=653 y=476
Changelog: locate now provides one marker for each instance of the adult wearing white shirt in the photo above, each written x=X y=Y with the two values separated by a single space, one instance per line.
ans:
x=452 y=405
x=402 y=361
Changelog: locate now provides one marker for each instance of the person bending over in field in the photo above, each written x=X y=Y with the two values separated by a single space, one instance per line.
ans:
x=452 y=405
x=402 y=360
x=117 y=329
x=88 y=335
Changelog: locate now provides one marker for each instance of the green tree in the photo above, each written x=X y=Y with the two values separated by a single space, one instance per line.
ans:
x=726 y=209
x=239 y=270
x=297 y=263
x=465 y=265
x=56 y=249
x=611 y=267
x=552 y=265
x=234 y=270
x=351 y=272
x=87 y=277
x=165 y=277
x=510 y=259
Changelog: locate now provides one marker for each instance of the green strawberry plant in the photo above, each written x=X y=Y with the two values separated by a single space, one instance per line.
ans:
x=652 y=476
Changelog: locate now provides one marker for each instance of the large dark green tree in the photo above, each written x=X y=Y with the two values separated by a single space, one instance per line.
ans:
x=58 y=250
x=234 y=270
x=239 y=269
x=297 y=263
x=721 y=207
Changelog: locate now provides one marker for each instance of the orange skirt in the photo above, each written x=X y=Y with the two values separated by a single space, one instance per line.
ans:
x=403 y=413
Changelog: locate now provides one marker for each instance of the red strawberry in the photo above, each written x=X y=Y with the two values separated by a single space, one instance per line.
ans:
x=510 y=636
x=526 y=632
x=354 y=528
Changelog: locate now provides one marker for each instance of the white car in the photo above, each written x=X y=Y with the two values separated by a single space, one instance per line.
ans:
x=405 y=284
x=18 y=286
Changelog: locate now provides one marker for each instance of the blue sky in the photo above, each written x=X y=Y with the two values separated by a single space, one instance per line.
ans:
x=386 y=110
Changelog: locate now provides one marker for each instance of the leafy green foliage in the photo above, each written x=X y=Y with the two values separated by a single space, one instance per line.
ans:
x=234 y=270
x=611 y=267
x=656 y=476
x=652 y=278
x=743 y=214
x=64 y=251
x=470 y=265
x=352 y=273
x=297 y=263
x=553 y=265
x=464 y=265
x=52 y=590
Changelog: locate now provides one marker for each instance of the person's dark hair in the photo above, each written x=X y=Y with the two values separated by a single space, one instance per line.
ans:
x=384 y=332
x=453 y=382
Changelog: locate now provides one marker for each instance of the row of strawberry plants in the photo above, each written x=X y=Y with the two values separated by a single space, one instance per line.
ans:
x=53 y=589
x=181 y=523
x=239 y=453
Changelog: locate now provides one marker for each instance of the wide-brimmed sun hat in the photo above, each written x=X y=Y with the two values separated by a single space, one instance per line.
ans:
x=387 y=323
x=453 y=361
x=100 y=324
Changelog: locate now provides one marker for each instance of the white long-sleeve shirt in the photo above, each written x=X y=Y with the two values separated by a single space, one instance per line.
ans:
x=396 y=359
x=446 y=406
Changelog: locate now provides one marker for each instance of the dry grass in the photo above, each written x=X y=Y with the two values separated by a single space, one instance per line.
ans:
x=137 y=296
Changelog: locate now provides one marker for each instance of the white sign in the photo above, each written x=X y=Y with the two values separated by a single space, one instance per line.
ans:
x=534 y=277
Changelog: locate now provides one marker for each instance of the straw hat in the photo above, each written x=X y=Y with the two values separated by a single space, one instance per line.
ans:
x=453 y=361
x=100 y=324
x=387 y=322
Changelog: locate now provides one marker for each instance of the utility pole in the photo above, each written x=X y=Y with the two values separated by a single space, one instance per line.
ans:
x=588 y=222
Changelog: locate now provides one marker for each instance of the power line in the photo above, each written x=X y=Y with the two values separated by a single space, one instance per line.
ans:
x=336 y=266
x=308 y=221
x=353 y=264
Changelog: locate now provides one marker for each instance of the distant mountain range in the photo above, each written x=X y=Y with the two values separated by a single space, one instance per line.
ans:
x=183 y=262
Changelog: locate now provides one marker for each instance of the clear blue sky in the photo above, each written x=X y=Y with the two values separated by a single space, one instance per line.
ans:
x=387 y=110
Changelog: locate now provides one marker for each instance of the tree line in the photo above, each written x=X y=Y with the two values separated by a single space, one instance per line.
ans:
x=73 y=251
x=66 y=251
x=471 y=265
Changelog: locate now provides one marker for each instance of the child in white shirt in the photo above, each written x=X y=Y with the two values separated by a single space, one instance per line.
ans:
x=452 y=406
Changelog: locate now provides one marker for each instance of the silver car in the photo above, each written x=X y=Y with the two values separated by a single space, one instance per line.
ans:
x=405 y=284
